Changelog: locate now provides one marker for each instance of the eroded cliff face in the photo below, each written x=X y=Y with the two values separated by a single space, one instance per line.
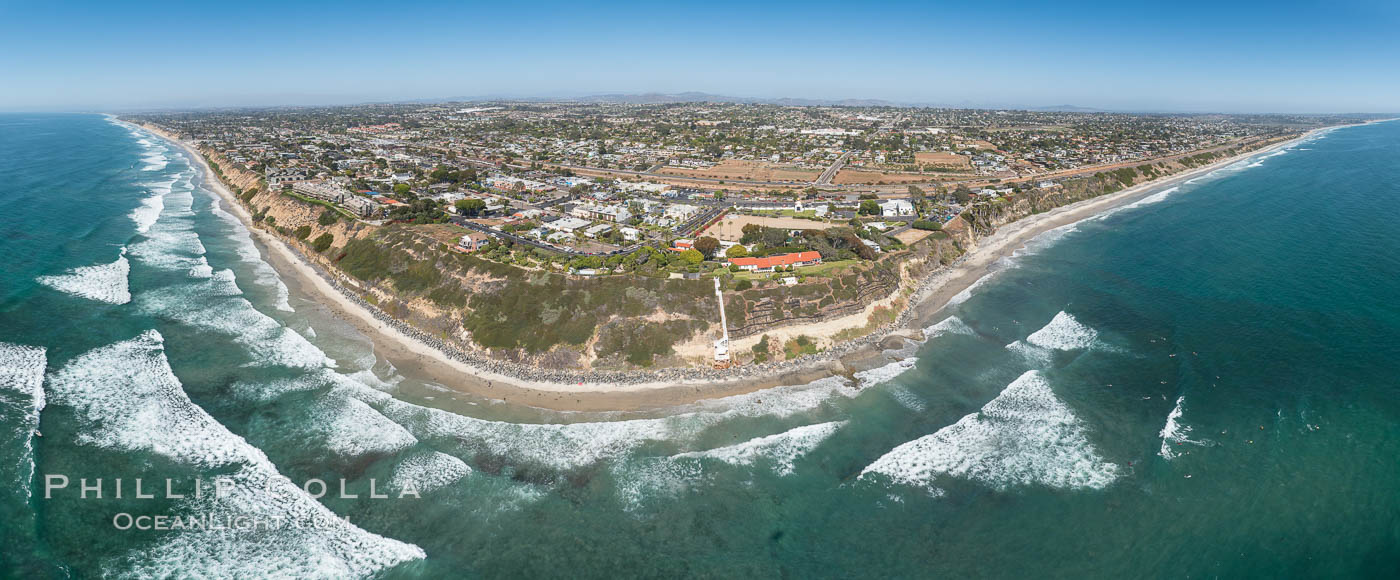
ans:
x=984 y=217
x=549 y=319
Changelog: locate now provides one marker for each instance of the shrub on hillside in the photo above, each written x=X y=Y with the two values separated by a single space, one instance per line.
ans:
x=322 y=242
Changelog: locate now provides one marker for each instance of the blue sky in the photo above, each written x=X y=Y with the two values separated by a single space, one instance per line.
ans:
x=1339 y=56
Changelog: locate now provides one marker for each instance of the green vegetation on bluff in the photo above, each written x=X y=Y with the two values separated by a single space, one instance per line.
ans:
x=505 y=307
x=627 y=320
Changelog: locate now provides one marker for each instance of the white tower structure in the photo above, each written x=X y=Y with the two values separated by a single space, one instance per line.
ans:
x=721 y=345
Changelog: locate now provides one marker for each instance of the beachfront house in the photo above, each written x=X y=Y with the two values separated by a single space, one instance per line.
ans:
x=473 y=241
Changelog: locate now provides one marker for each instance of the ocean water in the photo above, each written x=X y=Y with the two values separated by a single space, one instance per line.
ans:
x=1201 y=384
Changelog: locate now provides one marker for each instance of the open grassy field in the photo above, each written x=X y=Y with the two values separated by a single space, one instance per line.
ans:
x=731 y=228
x=747 y=170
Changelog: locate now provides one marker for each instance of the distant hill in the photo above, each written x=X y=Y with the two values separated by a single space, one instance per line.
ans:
x=698 y=97
x=1066 y=109
x=701 y=97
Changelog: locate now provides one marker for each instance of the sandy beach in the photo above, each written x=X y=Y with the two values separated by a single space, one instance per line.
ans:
x=419 y=360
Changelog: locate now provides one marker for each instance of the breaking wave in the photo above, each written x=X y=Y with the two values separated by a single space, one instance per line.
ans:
x=148 y=212
x=1025 y=436
x=127 y=399
x=1063 y=333
x=1158 y=197
x=665 y=477
x=1260 y=161
x=568 y=445
x=884 y=374
x=341 y=425
x=216 y=304
x=247 y=251
x=949 y=325
x=21 y=401
x=172 y=244
x=103 y=282
x=426 y=472
x=782 y=449
x=1174 y=433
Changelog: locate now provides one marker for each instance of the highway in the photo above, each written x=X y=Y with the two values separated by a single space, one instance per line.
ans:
x=649 y=173
x=830 y=173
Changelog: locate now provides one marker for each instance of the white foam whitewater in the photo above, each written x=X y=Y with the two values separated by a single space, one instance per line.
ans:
x=884 y=374
x=1025 y=436
x=949 y=325
x=1158 y=197
x=146 y=214
x=172 y=244
x=216 y=304
x=22 y=387
x=1173 y=433
x=1064 y=333
x=264 y=274
x=782 y=449
x=664 y=478
x=426 y=472
x=568 y=445
x=127 y=399
x=102 y=282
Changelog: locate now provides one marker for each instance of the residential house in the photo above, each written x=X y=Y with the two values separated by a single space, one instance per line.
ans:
x=473 y=241
x=896 y=208
x=769 y=263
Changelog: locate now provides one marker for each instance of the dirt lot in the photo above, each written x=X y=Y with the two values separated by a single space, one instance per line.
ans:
x=854 y=176
x=944 y=158
x=445 y=233
x=912 y=235
x=731 y=228
x=747 y=170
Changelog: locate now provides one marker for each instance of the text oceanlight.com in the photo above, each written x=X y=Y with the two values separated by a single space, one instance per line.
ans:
x=162 y=522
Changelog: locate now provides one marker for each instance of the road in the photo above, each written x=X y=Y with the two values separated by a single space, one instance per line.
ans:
x=830 y=173
x=669 y=177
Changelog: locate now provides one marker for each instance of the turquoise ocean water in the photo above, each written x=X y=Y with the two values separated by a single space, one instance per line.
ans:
x=1201 y=384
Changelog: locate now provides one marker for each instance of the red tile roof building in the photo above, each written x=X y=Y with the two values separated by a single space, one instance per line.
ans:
x=769 y=263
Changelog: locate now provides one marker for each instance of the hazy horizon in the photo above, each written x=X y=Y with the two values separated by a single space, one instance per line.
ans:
x=1193 y=57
